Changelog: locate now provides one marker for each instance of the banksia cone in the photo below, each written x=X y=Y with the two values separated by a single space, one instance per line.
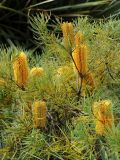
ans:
x=21 y=70
x=103 y=116
x=36 y=71
x=79 y=38
x=80 y=59
x=39 y=114
x=68 y=34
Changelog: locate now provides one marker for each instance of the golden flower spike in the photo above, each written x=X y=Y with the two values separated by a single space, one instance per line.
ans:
x=80 y=59
x=103 y=116
x=21 y=70
x=36 y=71
x=39 y=114
x=68 y=34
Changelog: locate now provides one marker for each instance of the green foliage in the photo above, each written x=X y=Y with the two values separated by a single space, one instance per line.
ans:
x=70 y=129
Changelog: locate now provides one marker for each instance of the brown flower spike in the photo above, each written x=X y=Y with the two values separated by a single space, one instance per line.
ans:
x=39 y=114
x=21 y=70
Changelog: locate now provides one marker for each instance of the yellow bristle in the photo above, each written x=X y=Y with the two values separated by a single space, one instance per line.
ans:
x=71 y=34
x=79 y=38
x=103 y=115
x=80 y=59
x=21 y=70
x=36 y=71
x=100 y=129
x=83 y=59
x=39 y=114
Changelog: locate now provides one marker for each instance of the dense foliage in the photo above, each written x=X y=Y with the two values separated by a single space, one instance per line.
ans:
x=42 y=114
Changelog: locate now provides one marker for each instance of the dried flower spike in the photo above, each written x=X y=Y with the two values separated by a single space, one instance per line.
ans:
x=68 y=34
x=36 y=71
x=80 y=59
x=39 y=114
x=21 y=70
x=103 y=116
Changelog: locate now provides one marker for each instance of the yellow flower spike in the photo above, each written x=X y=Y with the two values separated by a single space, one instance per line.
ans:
x=68 y=34
x=100 y=129
x=79 y=38
x=103 y=116
x=21 y=70
x=80 y=59
x=39 y=114
x=36 y=71
x=71 y=34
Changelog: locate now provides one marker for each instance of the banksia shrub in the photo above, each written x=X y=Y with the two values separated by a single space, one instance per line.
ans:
x=80 y=59
x=36 y=71
x=39 y=114
x=68 y=34
x=102 y=111
x=21 y=70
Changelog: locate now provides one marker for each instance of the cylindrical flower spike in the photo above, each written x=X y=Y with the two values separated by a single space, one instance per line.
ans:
x=103 y=116
x=68 y=34
x=71 y=34
x=36 y=71
x=21 y=70
x=79 y=38
x=39 y=114
x=80 y=59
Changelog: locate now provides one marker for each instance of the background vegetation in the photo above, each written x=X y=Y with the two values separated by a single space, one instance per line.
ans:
x=14 y=17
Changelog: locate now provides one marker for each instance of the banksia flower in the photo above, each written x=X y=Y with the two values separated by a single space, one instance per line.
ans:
x=80 y=59
x=68 y=34
x=21 y=70
x=79 y=38
x=36 y=71
x=103 y=116
x=39 y=114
